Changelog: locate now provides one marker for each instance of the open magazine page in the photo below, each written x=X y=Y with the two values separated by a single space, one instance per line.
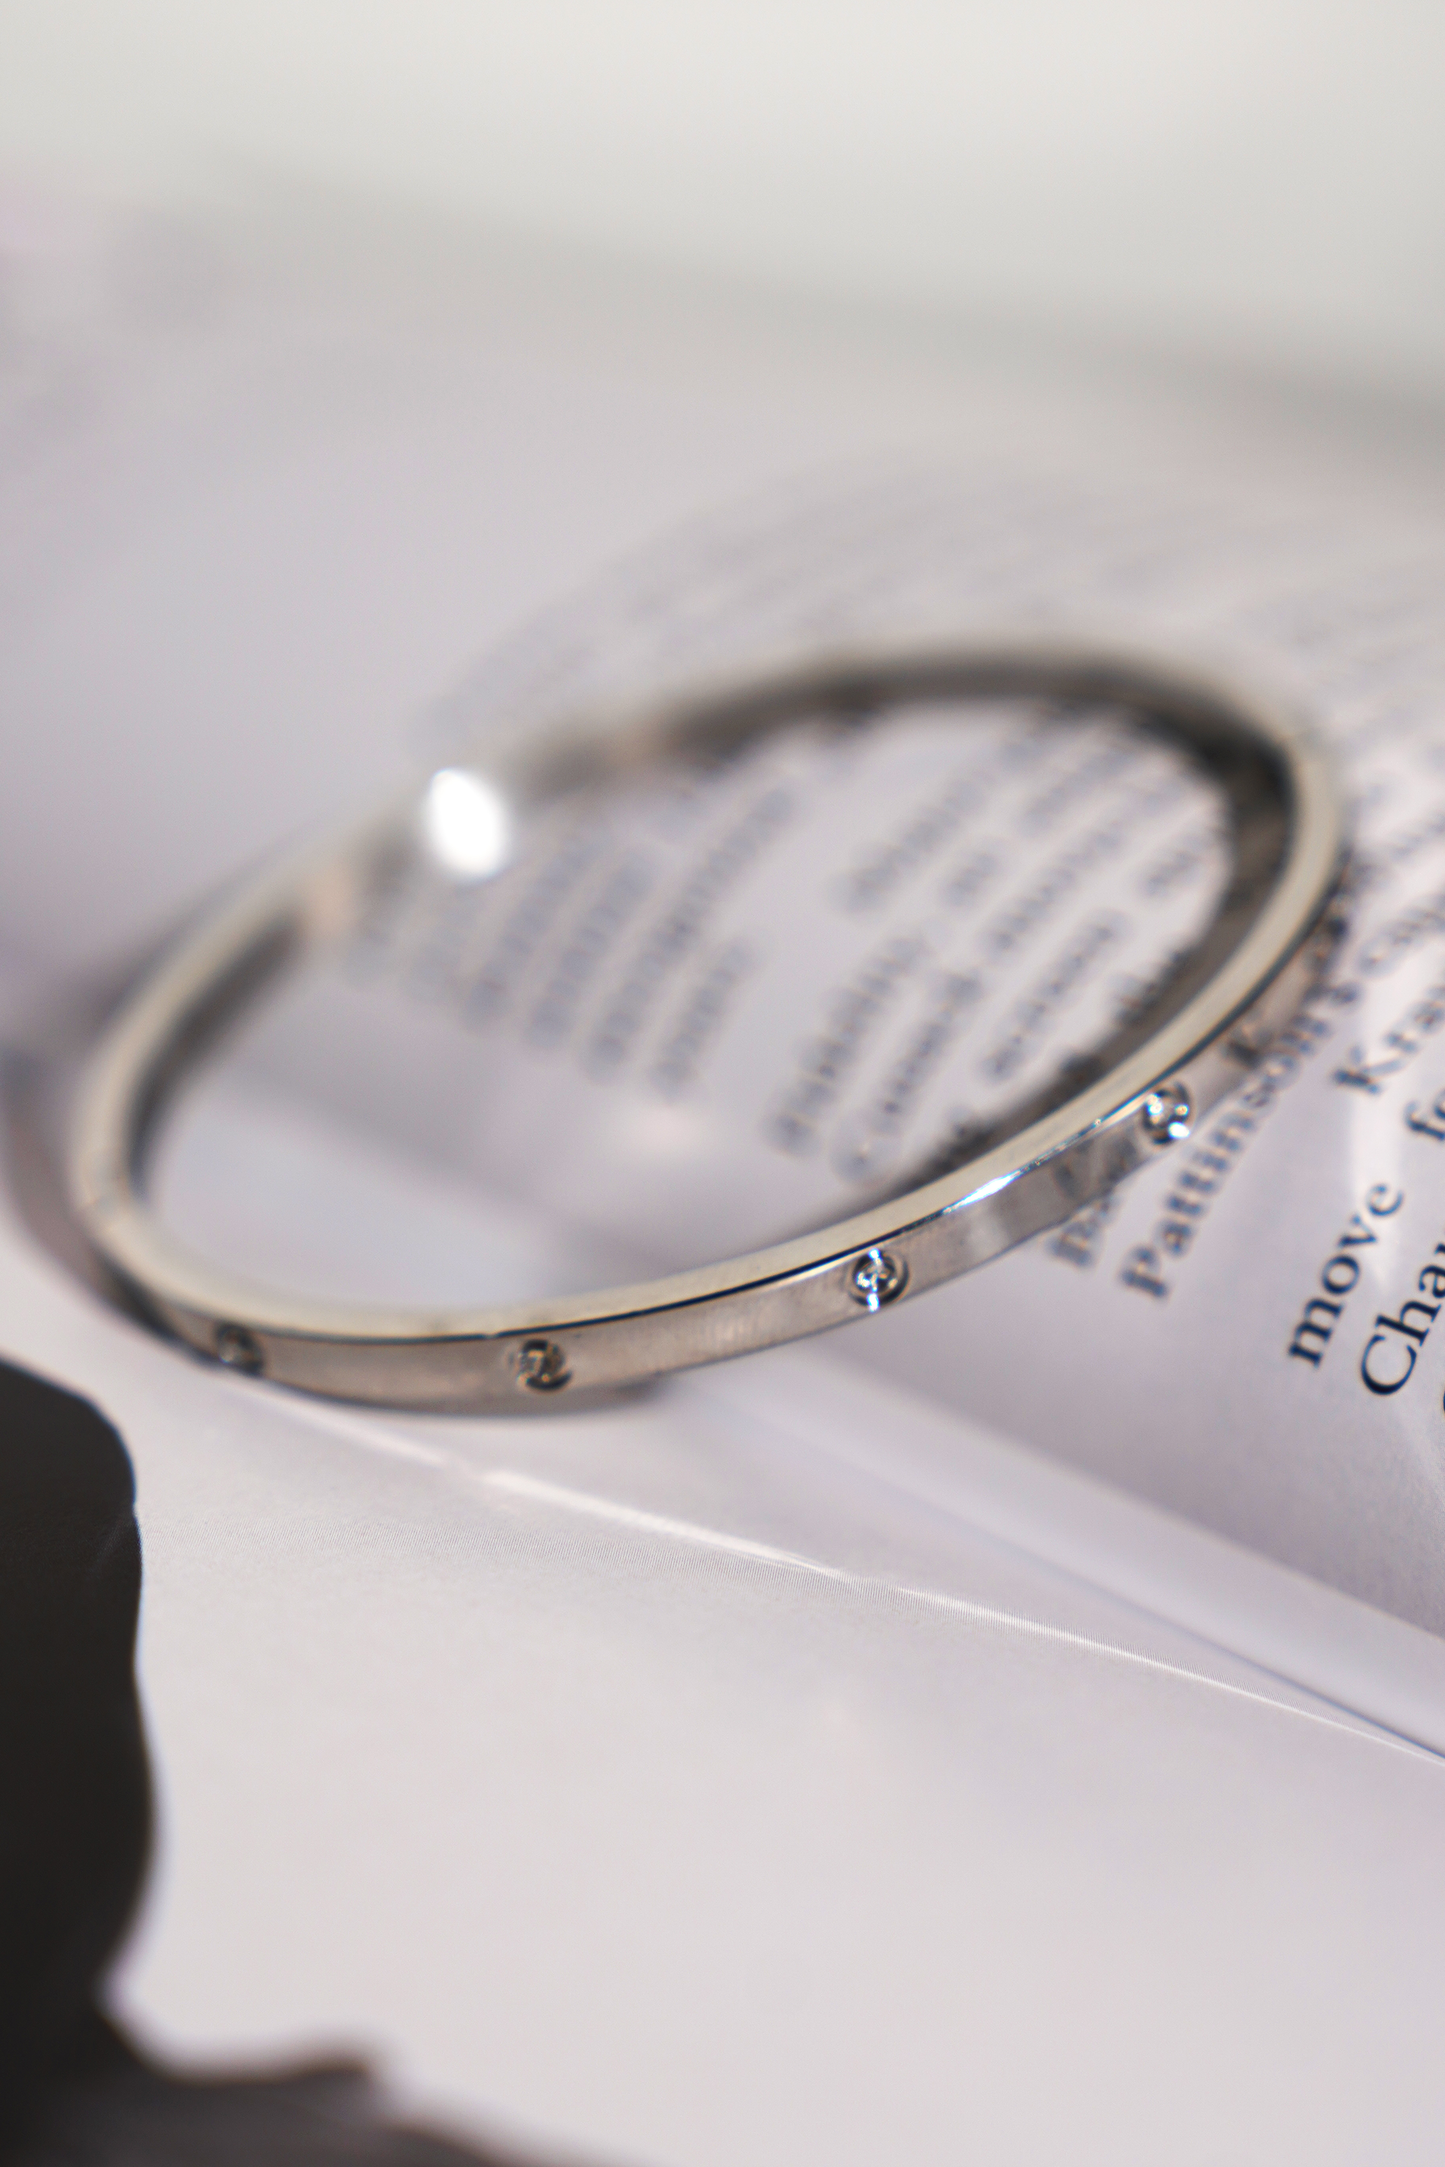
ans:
x=724 y=1011
x=577 y=1772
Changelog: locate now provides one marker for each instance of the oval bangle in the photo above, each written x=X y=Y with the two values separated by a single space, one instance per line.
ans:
x=1268 y=940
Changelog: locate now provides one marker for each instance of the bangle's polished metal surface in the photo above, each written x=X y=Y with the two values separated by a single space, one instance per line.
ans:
x=1204 y=1027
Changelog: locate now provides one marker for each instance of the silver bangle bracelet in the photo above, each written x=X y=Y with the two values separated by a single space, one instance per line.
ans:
x=1203 y=1029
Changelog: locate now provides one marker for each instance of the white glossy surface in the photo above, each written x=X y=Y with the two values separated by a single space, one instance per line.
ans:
x=645 y=1782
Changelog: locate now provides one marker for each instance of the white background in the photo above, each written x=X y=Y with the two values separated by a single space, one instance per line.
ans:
x=1261 y=176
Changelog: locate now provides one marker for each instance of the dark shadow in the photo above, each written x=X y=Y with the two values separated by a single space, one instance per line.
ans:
x=111 y=2108
x=75 y=1803
x=75 y=1825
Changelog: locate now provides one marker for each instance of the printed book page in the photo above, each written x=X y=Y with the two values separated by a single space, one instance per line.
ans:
x=795 y=1738
x=726 y=1009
